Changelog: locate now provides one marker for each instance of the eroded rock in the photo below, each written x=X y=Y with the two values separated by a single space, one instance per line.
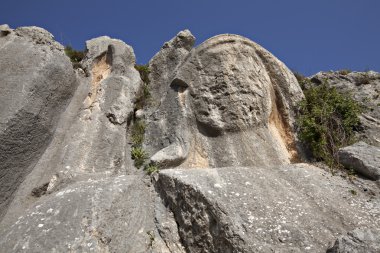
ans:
x=37 y=82
x=358 y=240
x=293 y=208
x=109 y=214
x=362 y=158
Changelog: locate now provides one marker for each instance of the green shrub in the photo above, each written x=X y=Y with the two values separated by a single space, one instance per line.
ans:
x=74 y=55
x=139 y=156
x=144 y=73
x=151 y=168
x=137 y=133
x=327 y=120
x=144 y=94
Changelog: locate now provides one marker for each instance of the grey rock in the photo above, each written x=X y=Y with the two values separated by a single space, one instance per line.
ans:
x=363 y=158
x=120 y=54
x=37 y=82
x=82 y=175
x=228 y=102
x=92 y=133
x=165 y=122
x=293 y=208
x=364 y=88
x=108 y=214
x=359 y=241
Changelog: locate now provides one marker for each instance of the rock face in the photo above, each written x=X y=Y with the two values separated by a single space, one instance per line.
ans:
x=221 y=115
x=99 y=215
x=84 y=191
x=358 y=240
x=363 y=158
x=293 y=208
x=37 y=82
x=228 y=90
x=365 y=88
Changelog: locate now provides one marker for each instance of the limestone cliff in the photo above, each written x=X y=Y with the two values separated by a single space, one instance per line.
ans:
x=220 y=125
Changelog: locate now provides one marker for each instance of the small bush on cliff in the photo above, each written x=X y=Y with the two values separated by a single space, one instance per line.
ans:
x=144 y=94
x=137 y=133
x=74 y=55
x=139 y=156
x=144 y=73
x=327 y=121
x=151 y=168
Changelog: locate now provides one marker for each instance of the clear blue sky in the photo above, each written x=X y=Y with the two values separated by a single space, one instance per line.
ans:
x=308 y=36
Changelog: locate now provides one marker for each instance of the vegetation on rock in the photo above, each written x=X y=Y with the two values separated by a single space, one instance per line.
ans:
x=138 y=128
x=139 y=156
x=327 y=120
x=144 y=94
x=75 y=56
x=144 y=73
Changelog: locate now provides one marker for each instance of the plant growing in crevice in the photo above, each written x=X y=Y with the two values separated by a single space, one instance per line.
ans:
x=139 y=156
x=327 y=120
x=151 y=168
x=144 y=72
x=76 y=56
x=137 y=136
x=143 y=95
x=137 y=133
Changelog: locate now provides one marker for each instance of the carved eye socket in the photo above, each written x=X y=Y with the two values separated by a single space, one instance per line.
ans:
x=178 y=85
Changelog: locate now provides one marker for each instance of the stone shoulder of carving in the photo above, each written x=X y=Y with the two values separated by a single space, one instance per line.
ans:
x=38 y=36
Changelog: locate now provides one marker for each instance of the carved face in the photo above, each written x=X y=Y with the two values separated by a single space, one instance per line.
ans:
x=229 y=87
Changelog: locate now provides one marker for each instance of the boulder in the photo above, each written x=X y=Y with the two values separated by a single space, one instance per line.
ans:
x=292 y=208
x=359 y=241
x=228 y=102
x=37 y=83
x=362 y=158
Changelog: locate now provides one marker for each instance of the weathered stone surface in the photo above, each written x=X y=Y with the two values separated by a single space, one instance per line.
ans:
x=92 y=133
x=229 y=102
x=365 y=88
x=164 y=122
x=358 y=241
x=108 y=214
x=164 y=64
x=37 y=82
x=293 y=208
x=82 y=173
x=363 y=158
